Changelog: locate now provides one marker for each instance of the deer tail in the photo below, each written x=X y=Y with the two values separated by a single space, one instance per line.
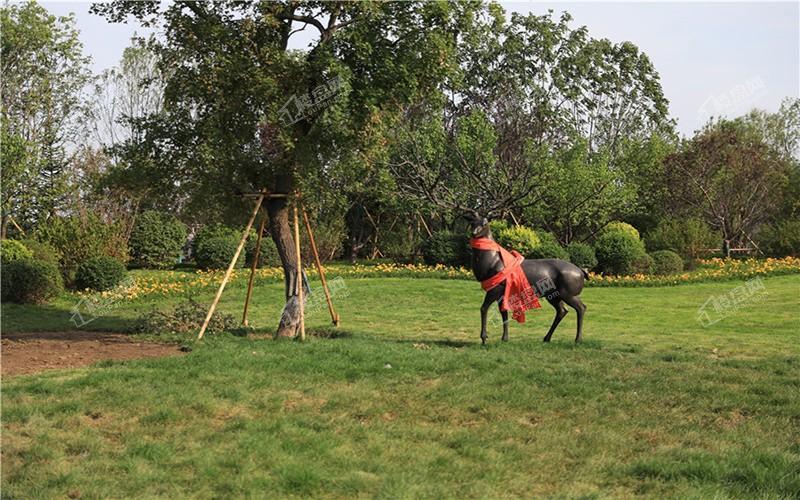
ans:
x=585 y=273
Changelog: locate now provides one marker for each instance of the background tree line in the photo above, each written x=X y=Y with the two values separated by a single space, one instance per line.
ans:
x=442 y=108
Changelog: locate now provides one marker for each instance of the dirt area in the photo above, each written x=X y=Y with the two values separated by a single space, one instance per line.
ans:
x=24 y=353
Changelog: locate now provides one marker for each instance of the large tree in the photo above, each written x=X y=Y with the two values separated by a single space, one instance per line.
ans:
x=729 y=176
x=536 y=104
x=44 y=71
x=233 y=75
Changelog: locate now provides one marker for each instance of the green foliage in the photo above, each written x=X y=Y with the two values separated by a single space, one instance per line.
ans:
x=42 y=250
x=80 y=238
x=520 y=238
x=185 y=317
x=781 y=238
x=99 y=273
x=617 y=226
x=643 y=264
x=267 y=255
x=44 y=72
x=582 y=255
x=619 y=252
x=445 y=247
x=156 y=240
x=666 y=262
x=30 y=281
x=11 y=250
x=215 y=246
x=549 y=248
x=686 y=237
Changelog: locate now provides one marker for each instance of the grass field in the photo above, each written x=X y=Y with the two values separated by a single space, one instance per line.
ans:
x=405 y=402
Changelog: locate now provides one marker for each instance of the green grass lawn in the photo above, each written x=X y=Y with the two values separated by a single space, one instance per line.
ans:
x=405 y=402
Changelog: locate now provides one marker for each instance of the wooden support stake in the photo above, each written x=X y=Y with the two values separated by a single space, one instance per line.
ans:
x=253 y=267
x=299 y=271
x=334 y=316
x=230 y=268
x=11 y=219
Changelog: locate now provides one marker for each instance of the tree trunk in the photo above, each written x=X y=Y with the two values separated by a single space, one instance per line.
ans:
x=281 y=232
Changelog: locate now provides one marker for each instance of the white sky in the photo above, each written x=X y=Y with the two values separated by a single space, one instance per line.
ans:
x=714 y=58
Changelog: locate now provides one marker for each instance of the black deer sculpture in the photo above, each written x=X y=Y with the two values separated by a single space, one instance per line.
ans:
x=557 y=281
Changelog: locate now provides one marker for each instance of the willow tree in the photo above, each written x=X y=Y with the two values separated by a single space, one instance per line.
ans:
x=245 y=111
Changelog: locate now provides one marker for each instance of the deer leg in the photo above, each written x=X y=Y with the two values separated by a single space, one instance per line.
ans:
x=487 y=301
x=504 y=315
x=561 y=311
x=580 y=308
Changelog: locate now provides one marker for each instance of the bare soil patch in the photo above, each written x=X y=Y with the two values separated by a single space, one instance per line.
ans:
x=24 y=353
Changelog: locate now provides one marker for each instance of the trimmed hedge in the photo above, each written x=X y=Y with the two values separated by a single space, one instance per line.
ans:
x=582 y=255
x=549 y=248
x=156 y=240
x=214 y=247
x=520 y=238
x=446 y=247
x=686 y=237
x=99 y=273
x=12 y=250
x=30 y=281
x=619 y=252
x=622 y=227
x=666 y=262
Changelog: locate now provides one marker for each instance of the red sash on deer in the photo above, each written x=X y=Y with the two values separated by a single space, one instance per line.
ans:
x=519 y=295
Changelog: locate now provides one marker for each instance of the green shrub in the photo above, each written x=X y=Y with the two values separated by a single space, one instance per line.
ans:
x=643 y=264
x=622 y=227
x=686 y=237
x=780 y=239
x=11 y=250
x=582 y=255
x=617 y=252
x=214 y=247
x=30 y=281
x=156 y=240
x=549 y=248
x=80 y=238
x=497 y=226
x=445 y=247
x=666 y=262
x=99 y=273
x=267 y=256
x=520 y=238
x=43 y=251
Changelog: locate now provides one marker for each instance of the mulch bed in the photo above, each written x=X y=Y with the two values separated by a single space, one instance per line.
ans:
x=25 y=353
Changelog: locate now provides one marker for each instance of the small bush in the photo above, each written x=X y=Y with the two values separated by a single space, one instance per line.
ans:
x=43 y=251
x=582 y=255
x=445 y=247
x=686 y=237
x=549 y=248
x=80 y=238
x=643 y=264
x=520 y=238
x=780 y=239
x=214 y=247
x=30 y=281
x=497 y=226
x=156 y=240
x=99 y=273
x=11 y=250
x=616 y=252
x=267 y=256
x=622 y=227
x=666 y=262
x=186 y=317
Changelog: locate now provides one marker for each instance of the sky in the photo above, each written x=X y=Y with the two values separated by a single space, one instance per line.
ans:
x=714 y=58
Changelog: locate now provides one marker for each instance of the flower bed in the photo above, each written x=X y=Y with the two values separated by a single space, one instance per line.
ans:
x=147 y=283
